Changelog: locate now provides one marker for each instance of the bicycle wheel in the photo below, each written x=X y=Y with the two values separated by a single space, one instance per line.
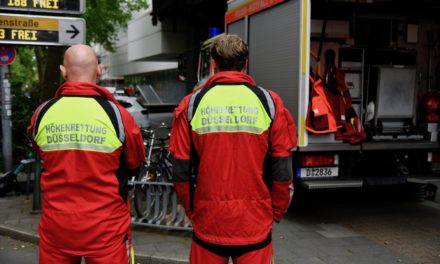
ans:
x=144 y=193
x=167 y=167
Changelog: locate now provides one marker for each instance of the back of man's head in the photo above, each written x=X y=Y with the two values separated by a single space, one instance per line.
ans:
x=80 y=64
x=230 y=53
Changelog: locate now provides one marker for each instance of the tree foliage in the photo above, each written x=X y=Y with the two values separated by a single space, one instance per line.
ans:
x=23 y=69
x=24 y=78
x=35 y=74
x=105 y=17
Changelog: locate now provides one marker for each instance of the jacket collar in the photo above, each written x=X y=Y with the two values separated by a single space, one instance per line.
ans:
x=230 y=77
x=84 y=89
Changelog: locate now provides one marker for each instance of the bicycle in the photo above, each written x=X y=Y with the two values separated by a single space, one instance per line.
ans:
x=154 y=198
x=21 y=179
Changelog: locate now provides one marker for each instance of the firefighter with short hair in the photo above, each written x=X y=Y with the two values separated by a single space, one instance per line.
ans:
x=231 y=141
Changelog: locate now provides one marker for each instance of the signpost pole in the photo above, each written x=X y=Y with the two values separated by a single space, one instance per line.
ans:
x=6 y=118
x=36 y=204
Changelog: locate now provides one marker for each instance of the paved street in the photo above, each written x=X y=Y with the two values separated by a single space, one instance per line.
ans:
x=14 y=251
x=335 y=226
x=383 y=215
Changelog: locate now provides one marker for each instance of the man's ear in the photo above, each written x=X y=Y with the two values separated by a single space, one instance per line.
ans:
x=63 y=72
x=99 y=71
x=214 y=66
x=245 y=67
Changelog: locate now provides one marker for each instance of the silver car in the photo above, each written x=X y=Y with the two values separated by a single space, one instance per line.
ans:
x=147 y=108
x=139 y=113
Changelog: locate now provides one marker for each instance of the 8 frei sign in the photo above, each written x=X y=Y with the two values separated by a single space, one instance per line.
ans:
x=41 y=30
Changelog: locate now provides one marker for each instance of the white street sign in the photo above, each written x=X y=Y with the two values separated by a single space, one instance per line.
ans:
x=41 y=30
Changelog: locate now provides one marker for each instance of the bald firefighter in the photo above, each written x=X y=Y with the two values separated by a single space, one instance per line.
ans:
x=89 y=144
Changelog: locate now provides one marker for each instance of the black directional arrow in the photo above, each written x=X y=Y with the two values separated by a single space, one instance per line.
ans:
x=75 y=31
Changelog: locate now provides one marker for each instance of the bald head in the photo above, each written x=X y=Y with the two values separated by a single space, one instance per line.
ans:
x=80 y=64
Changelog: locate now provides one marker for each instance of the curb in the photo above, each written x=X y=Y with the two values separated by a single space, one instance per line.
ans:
x=145 y=259
x=18 y=234
x=34 y=238
x=432 y=204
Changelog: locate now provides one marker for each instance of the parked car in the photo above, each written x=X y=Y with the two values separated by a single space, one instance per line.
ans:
x=139 y=113
x=160 y=111
x=146 y=116
x=145 y=105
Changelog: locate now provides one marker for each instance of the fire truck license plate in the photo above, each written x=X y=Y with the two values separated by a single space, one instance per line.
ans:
x=319 y=172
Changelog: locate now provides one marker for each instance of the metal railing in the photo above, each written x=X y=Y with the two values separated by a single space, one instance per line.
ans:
x=154 y=198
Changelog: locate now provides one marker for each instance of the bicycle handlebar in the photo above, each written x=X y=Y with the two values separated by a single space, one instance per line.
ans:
x=157 y=133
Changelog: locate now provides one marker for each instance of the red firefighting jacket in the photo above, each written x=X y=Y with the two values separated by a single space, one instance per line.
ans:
x=330 y=109
x=87 y=142
x=321 y=117
x=350 y=128
x=225 y=132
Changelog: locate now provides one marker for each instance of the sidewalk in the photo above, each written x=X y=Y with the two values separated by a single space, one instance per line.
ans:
x=295 y=241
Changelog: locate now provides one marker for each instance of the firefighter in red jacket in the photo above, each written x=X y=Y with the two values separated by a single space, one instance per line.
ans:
x=222 y=135
x=89 y=144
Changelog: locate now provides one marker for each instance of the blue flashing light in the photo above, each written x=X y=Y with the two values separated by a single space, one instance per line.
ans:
x=213 y=31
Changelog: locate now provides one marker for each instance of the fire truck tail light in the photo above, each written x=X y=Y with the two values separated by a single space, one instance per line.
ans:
x=433 y=156
x=313 y=160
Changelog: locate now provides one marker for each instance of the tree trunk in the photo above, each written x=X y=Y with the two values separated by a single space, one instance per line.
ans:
x=52 y=76
x=38 y=50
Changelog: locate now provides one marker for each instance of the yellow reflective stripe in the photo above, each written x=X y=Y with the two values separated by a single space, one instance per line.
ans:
x=37 y=116
x=304 y=41
x=302 y=130
x=63 y=128
x=191 y=105
x=230 y=108
x=119 y=120
x=78 y=146
x=132 y=255
x=270 y=102
x=211 y=129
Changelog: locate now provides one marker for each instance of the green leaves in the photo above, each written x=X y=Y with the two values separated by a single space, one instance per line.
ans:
x=104 y=18
x=23 y=70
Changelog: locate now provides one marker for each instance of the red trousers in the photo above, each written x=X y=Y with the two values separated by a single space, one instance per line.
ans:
x=201 y=255
x=52 y=255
